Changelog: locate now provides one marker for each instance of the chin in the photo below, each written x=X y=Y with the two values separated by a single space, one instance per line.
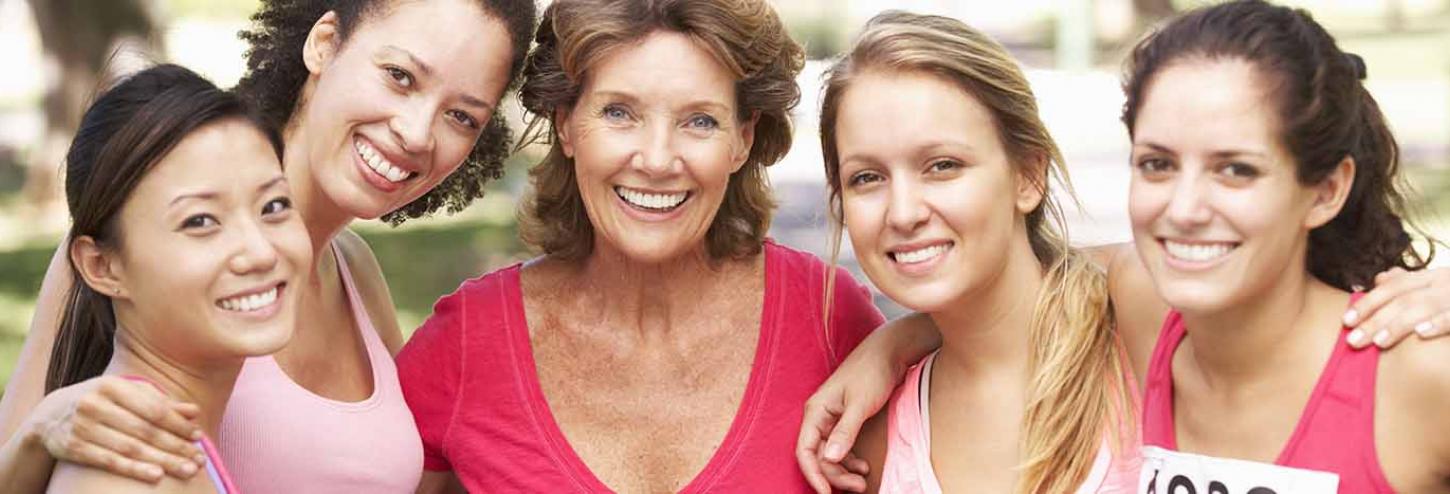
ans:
x=1195 y=296
x=922 y=297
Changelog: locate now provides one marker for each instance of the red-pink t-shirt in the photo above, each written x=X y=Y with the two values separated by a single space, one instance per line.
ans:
x=469 y=376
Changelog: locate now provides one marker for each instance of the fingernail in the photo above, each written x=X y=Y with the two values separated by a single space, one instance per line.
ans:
x=1424 y=328
x=1382 y=338
x=188 y=468
x=1356 y=337
x=834 y=451
x=1350 y=317
x=196 y=435
x=152 y=471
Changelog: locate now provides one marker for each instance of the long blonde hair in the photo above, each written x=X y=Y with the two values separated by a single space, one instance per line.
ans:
x=1078 y=388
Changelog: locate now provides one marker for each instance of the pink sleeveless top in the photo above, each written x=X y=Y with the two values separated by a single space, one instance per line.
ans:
x=907 y=468
x=277 y=436
x=1335 y=433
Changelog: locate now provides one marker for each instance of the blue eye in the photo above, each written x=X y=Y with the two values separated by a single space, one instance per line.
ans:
x=703 y=122
x=614 y=112
x=864 y=178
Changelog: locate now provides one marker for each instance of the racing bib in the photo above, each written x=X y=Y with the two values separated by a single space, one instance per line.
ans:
x=1172 y=472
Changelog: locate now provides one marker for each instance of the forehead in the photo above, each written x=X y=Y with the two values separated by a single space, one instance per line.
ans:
x=456 y=37
x=1208 y=103
x=662 y=64
x=895 y=112
x=218 y=156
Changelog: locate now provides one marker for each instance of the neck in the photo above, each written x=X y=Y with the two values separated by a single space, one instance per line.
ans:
x=987 y=331
x=209 y=386
x=1281 y=327
x=652 y=297
x=323 y=218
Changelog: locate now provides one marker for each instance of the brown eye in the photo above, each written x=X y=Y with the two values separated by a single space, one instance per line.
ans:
x=399 y=76
x=197 y=221
x=277 y=206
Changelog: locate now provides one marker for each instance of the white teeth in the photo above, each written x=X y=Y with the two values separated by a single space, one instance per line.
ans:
x=375 y=160
x=652 y=201
x=921 y=254
x=248 y=303
x=1197 y=252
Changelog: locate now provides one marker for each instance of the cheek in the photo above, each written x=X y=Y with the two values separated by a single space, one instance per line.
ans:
x=1145 y=202
x=862 y=216
x=710 y=164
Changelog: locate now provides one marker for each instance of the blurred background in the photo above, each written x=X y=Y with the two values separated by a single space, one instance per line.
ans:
x=55 y=51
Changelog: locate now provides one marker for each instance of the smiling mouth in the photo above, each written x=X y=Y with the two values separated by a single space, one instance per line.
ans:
x=253 y=302
x=652 y=202
x=1198 y=252
x=921 y=255
x=379 y=164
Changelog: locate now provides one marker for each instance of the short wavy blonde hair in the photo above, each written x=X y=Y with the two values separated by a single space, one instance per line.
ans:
x=746 y=36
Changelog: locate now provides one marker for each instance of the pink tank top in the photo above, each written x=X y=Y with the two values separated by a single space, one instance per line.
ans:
x=277 y=436
x=907 y=468
x=1334 y=436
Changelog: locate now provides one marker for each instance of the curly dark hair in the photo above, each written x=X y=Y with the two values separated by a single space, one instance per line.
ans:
x=1327 y=115
x=746 y=36
x=276 y=73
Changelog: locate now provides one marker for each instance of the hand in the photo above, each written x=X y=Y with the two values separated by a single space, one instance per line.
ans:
x=834 y=415
x=1401 y=303
x=125 y=427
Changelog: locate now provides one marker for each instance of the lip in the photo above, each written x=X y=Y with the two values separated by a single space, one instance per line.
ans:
x=372 y=177
x=646 y=215
x=921 y=268
x=1180 y=264
x=263 y=313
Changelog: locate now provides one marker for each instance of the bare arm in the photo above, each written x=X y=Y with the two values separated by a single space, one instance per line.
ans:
x=440 y=483
x=372 y=288
x=27 y=383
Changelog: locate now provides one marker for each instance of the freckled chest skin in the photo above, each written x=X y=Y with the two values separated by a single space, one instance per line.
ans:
x=644 y=411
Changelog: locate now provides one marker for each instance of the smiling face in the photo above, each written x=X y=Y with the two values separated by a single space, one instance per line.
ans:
x=395 y=108
x=933 y=205
x=210 y=252
x=654 y=138
x=1218 y=214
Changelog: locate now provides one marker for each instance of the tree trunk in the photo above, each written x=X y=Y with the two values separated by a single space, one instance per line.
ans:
x=78 y=37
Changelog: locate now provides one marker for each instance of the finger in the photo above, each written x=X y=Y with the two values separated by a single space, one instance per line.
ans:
x=843 y=479
x=1371 y=312
x=1434 y=327
x=119 y=417
x=856 y=465
x=815 y=420
x=97 y=457
x=1388 y=274
x=1413 y=310
x=843 y=435
x=132 y=448
x=148 y=404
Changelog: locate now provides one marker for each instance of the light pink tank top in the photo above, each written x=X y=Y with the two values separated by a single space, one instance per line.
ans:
x=279 y=437
x=907 y=468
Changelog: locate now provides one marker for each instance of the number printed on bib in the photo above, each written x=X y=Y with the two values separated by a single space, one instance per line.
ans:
x=1172 y=472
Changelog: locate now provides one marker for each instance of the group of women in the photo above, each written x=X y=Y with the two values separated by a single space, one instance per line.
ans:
x=210 y=324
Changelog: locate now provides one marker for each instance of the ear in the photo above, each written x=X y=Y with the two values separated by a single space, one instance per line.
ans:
x=1031 y=183
x=322 y=43
x=1331 y=193
x=97 y=266
x=747 y=140
x=561 y=127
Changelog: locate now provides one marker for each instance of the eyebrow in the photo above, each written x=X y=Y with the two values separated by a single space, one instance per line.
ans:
x=209 y=195
x=631 y=98
x=427 y=70
x=1221 y=154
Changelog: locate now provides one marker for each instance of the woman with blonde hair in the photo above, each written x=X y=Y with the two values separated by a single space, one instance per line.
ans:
x=661 y=343
x=938 y=167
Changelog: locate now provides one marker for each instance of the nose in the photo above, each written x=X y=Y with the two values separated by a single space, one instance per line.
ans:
x=906 y=210
x=1188 y=207
x=412 y=126
x=657 y=153
x=254 y=252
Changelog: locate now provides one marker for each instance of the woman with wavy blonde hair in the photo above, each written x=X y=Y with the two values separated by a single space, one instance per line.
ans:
x=938 y=167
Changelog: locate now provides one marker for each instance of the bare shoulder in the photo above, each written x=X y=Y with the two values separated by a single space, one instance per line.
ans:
x=1137 y=309
x=1412 y=394
x=372 y=287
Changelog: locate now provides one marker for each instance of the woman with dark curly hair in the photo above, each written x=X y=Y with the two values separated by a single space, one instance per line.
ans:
x=387 y=109
x=661 y=343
